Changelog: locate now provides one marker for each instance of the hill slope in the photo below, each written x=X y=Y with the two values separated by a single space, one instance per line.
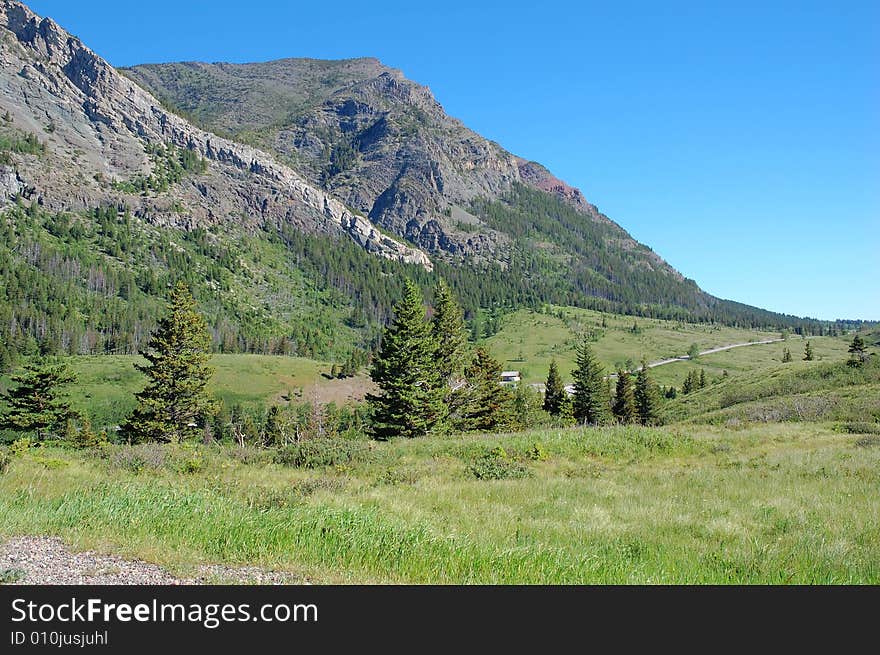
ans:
x=110 y=196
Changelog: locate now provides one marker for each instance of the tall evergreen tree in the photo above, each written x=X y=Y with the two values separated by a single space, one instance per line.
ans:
x=857 y=352
x=647 y=402
x=34 y=404
x=702 y=378
x=175 y=403
x=808 y=352
x=411 y=402
x=591 y=403
x=554 y=391
x=450 y=333
x=490 y=404
x=451 y=336
x=624 y=407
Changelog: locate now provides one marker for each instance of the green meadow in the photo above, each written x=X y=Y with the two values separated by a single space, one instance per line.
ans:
x=777 y=503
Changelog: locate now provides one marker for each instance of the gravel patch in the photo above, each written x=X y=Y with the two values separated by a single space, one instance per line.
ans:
x=48 y=560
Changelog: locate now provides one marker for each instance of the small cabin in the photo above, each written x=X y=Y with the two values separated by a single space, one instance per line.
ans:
x=510 y=377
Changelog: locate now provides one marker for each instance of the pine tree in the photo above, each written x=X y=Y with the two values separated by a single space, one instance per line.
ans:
x=591 y=403
x=34 y=405
x=786 y=355
x=175 y=403
x=274 y=433
x=647 y=402
x=411 y=402
x=689 y=383
x=450 y=334
x=490 y=404
x=702 y=378
x=858 y=354
x=624 y=407
x=554 y=391
x=808 y=352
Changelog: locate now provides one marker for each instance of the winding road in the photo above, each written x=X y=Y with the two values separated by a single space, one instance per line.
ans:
x=683 y=358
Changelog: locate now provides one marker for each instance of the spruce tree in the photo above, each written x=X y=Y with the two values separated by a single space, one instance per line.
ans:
x=490 y=404
x=451 y=336
x=175 y=403
x=554 y=391
x=34 y=404
x=857 y=353
x=450 y=333
x=624 y=407
x=808 y=352
x=590 y=404
x=689 y=384
x=786 y=355
x=647 y=403
x=702 y=378
x=412 y=389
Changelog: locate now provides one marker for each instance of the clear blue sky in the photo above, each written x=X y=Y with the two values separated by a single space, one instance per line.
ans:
x=740 y=140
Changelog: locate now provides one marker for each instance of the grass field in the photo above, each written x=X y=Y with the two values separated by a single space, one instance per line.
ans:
x=107 y=383
x=528 y=341
x=783 y=503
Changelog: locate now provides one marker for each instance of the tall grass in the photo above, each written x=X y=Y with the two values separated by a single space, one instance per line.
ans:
x=768 y=504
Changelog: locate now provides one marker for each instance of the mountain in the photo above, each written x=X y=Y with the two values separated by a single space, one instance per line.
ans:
x=293 y=196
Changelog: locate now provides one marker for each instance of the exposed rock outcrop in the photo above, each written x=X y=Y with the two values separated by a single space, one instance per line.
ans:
x=95 y=122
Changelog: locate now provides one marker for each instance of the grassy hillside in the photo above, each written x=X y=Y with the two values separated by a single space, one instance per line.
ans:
x=107 y=383
x=797 y=391
x=528 y=340
x=766 y=504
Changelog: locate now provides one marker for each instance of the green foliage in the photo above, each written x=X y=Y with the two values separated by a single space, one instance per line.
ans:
x=489 y=404
x=5 y=458
x=12 y=575
x=34 y=405
x=554 y=391
x=808 y=352
x=591 y=402
x=174 y=405
x=646 y=397
x=786 y=355
x=412 y=391
x=20 y=447
x=170 y=165
x=624 y=407
x=315 y=453
x=526 y=408
x=858 y=352
x=19 y=143
x=496 y=464
x=450 y=335
x=694 y=351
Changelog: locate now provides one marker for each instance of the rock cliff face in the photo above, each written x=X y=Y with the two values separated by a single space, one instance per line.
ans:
x=376 y=140
x=95 y=123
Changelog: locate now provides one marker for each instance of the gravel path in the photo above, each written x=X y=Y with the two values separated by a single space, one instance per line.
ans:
x=47 y=560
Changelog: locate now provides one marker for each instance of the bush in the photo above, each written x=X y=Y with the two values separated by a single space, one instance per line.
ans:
x=11 y=576
x=314 y=453
x=20 y=447
x=859 y=427
x=4 y=459
x=496 y=464
x=537 y=453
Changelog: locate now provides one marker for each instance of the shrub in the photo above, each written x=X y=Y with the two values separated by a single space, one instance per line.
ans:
x=537 y=453
x=859 y=427
x=496 y=464
x=4 y=459
x=20 y=447
x=314 y=453
x=11 y=576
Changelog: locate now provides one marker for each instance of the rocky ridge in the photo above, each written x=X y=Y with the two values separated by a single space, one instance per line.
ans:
x=96 y=122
